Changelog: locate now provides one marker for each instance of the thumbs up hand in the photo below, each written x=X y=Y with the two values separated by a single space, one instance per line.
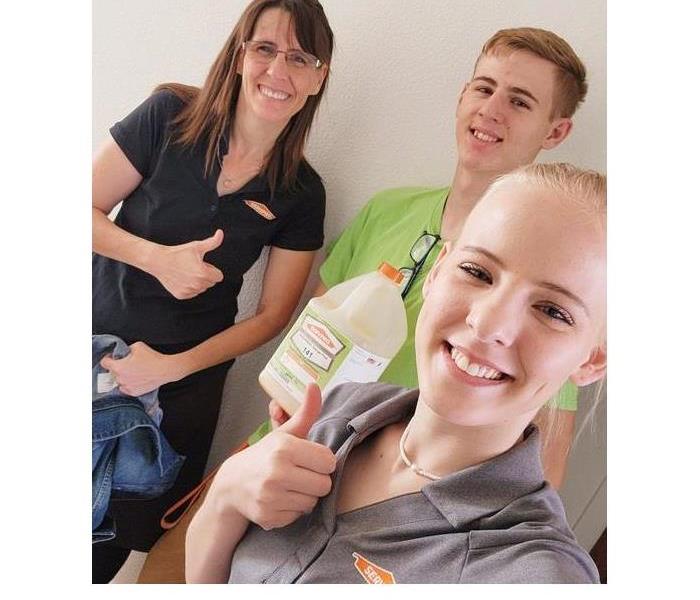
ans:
x=275 y=481
x=182 y=269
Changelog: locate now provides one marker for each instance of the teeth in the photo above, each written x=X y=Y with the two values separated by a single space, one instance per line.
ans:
x=275 y=94
x=479 y=135
x=461 y=360
x=474 y=369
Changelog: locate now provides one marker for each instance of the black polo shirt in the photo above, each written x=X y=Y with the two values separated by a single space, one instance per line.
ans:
x=174 y=204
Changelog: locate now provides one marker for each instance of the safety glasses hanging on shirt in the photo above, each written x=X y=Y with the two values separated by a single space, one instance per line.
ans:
x=419 y=253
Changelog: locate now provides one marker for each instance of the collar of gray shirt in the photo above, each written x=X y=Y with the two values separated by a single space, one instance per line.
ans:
x=489 y=486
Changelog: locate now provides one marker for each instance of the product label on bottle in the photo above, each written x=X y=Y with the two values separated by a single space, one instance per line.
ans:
x=315 y=351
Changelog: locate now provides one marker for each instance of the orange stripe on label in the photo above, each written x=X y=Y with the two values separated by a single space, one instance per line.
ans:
x=370 y=572
x=261 y=209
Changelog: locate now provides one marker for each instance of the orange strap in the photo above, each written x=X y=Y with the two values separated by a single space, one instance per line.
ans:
x=190 y=498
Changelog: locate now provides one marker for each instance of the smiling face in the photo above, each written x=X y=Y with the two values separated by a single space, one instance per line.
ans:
x=275 y=92
x=513 y=308
x=504 y=115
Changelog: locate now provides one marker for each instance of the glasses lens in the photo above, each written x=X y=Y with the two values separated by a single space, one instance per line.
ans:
x=422 y=246
x=262 y=51
x=406 y=272
x=299 y=59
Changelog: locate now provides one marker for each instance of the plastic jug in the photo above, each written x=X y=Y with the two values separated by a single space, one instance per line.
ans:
x=351 y=333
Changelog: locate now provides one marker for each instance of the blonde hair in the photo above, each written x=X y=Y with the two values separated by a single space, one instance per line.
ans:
x=587 y=190
x=550 y=424
x=571 y=72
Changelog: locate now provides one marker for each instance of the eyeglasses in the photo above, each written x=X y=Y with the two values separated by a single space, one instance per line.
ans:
x=419 y=253
x=266 y=52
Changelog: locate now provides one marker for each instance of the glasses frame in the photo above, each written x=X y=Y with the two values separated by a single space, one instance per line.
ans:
x=418 y=264
x=316 y=63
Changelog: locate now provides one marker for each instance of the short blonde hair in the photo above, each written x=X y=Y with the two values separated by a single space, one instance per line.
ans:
x=571 y=72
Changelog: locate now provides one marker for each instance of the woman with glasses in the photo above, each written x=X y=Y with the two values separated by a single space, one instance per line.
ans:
x=206 y=178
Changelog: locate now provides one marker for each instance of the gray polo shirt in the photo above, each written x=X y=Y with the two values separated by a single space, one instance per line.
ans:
x=496 y=522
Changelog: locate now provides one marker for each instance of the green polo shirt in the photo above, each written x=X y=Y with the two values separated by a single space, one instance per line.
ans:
x=385 y=230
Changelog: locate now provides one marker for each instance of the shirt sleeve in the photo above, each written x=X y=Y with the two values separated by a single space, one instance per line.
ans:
x=303 y=229
x=566 y=398
x=141 y=133
x=335 y=268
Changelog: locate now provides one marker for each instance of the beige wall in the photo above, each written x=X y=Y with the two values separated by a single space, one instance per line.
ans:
x=387 y=120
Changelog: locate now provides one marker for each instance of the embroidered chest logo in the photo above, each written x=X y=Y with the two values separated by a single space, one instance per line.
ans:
x=261 y=209
x=370 y=572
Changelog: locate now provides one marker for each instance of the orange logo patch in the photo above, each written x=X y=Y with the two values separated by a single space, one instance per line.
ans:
x=261 y=209
x=370 y=572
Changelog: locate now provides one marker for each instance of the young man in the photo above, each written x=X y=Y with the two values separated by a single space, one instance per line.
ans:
x=526 y=86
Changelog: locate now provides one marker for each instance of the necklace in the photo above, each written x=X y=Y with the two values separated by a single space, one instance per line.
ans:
x=230 y=182
x=409 y=463
x=234 y=181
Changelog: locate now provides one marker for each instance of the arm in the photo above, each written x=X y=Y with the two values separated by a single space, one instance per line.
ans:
x=283 y=283
x=113 y=179
x=118 y=169
x=555 y=450
x=271 y=483
x=180 y=269
x=211 y=538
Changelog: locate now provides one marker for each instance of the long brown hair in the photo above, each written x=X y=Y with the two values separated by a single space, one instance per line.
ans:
x=210 y=111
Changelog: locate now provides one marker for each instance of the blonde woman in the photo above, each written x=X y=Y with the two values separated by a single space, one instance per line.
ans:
x=440 y=484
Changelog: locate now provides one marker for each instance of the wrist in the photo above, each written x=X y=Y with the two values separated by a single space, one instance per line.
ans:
x=149 y=256
x=223 y=495
x=179 y=366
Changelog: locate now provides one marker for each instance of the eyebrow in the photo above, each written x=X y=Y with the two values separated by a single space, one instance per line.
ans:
x=486 y=253
x=557 y=288
x=514 y=89
x=277 y=46
x=545 y=284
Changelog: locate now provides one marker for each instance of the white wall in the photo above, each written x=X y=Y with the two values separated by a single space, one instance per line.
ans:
x=387 y=120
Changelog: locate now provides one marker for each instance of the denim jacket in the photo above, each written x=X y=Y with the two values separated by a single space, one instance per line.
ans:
x=130 y=456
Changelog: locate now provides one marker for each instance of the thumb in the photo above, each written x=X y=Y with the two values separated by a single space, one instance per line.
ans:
x=212 y=242
x=302 y=420
x=107 y=362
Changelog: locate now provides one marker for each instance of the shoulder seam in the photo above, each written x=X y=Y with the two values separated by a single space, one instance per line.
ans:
x=341 y=417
